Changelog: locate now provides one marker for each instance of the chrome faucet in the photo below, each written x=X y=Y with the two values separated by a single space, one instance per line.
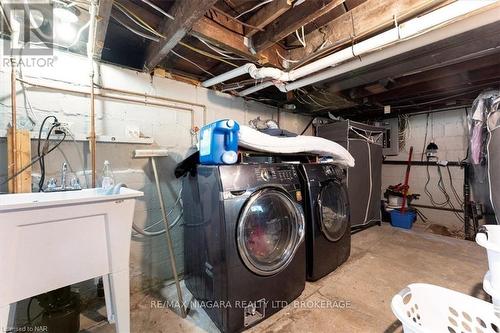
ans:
x=63 y=175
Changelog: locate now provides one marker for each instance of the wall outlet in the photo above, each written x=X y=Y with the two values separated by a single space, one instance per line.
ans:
x=132 y=132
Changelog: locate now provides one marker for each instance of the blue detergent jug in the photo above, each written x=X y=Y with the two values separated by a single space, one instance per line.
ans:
x=219 y=142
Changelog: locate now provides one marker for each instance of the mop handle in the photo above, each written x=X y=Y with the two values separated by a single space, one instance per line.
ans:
x=407 y=178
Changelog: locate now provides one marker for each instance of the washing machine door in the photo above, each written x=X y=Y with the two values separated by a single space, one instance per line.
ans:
x=270 y=229
x=333 y=211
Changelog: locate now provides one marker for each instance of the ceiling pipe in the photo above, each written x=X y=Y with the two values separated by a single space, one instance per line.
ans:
x=409 y=29
x=469 y=23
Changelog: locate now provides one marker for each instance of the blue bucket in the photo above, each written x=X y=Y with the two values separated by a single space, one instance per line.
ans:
x=403 y=220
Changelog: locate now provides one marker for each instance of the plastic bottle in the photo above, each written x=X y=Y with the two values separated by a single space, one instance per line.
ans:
x=219 y=142
x=107 y=179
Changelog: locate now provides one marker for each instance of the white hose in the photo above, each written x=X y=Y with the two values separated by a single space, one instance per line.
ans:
x=147 y=233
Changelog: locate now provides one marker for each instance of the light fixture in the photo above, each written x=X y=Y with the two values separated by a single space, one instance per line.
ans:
x=64 y=24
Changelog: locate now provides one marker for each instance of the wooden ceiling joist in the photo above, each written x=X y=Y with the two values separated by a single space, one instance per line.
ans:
x=431 y=75
x=470 y=45
x=267 y=14
x=231 y=41
x=291 y=21
x=367 y=18
x=103 y=15
x=186 y=13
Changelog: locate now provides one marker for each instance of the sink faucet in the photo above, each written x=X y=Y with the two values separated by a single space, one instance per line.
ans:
x=63 y=175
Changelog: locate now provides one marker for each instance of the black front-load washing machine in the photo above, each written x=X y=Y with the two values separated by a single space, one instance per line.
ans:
x=244 y=246
x=328 y=235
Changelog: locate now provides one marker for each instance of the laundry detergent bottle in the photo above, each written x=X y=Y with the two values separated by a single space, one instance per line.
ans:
x=219 y=142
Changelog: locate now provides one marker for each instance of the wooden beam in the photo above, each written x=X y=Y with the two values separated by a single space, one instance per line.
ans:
x=103 y=15
x=267 y=14
x=231 y=41
x=22 y=157
x=186 y=13
x=469 y=45
x=367 y=18
x=443 y=84
x=432 y=74
x=292 y=20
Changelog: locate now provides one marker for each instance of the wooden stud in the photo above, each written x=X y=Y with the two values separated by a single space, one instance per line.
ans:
x=21 y=157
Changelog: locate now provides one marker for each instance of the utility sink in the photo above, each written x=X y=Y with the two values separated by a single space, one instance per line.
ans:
x=51 y=240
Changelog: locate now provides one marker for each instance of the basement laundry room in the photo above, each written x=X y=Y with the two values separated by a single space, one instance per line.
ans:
x=250 y=165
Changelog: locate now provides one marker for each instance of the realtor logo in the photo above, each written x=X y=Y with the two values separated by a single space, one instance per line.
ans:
x=30 y=27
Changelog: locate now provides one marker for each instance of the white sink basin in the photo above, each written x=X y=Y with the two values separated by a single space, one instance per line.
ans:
x=32 y=200
x=52 y=240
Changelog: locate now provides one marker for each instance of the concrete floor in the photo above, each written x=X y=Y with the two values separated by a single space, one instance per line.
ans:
x=383 y=261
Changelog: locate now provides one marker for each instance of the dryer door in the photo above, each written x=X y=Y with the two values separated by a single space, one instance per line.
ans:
x=270 y=229
x=333 y=211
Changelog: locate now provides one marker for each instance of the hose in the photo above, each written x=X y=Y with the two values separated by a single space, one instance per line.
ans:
x=145 y=232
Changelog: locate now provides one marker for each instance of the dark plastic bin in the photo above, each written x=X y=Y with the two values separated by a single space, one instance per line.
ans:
x=403 y=220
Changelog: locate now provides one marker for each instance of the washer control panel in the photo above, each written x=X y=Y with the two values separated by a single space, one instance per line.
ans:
x=276 y=173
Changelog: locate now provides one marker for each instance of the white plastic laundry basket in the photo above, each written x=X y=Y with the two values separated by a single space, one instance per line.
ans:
x=425 y=308
x=489 y=238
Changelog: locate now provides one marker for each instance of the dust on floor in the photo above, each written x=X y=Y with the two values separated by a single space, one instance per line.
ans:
x=357 y=295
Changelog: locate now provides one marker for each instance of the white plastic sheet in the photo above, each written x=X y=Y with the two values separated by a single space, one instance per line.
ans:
x=255 y=140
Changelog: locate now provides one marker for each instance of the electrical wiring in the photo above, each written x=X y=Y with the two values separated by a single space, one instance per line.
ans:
x=191 y=62
x=425 y=137
x=404 y=130
x=136 y=19
x=285 y=59
x=453 y=189
x=253 y=8
x=207 y=54
x=152 y=38
x=45 y=147
x=223 y=53
x=44 y=152
x=303 y=39
x=158 y=9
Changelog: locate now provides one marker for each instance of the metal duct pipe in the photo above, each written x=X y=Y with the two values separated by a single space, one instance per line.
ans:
x=411 y=29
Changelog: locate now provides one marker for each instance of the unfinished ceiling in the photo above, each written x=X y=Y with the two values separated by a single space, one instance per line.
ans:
x=206 y=38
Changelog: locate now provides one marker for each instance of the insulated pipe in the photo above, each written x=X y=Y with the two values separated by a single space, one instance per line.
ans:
x=469 y=23
x=249 y=68
x=245 y=69
x=409 y=29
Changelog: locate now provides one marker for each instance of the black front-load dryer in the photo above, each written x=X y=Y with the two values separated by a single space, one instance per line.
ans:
x=244 y=246
x=328 y=236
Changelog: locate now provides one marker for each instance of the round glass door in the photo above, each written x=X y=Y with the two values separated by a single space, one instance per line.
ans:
x=334 y=214
x=270 y=229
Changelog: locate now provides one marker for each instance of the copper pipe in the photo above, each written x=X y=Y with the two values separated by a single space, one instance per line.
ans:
x=92 y=136
x=126 y=99
x=14 y=123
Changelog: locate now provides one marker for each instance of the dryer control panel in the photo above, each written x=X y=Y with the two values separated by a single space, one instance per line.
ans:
x=248 y=176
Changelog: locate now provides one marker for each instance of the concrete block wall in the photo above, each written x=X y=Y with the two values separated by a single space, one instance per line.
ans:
x=448 y=129
x=169 y=127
